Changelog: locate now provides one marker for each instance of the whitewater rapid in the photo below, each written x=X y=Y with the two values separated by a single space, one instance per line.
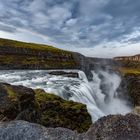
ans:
x=101 y=94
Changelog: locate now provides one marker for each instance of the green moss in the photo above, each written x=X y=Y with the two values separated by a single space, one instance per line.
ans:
x=126 y=71
x=43 y=108
x=130 y=64
x=11 y=93
x=57 y=112
x=41 y=95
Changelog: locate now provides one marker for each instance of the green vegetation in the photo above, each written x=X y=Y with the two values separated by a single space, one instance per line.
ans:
x=34 y=46
x=130 y=64
x=21 y=55
x=37 y=106
x=56 y=112
x=129 y=71
x=11 y=93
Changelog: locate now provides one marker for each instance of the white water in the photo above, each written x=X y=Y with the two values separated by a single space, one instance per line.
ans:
x=100 y=95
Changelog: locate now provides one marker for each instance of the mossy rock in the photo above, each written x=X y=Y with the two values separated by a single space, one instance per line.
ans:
x=57 y=112
x=21 y=103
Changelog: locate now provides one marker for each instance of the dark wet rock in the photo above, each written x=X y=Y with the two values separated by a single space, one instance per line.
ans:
x=21 y=103
x=14 y=99
x=63 y=73
x=133 y=87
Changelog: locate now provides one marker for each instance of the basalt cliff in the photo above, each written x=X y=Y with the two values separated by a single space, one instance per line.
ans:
x=21 y=55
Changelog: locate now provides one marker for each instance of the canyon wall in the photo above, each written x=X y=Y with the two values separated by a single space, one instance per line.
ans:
x=131 y=58
x=21 y=55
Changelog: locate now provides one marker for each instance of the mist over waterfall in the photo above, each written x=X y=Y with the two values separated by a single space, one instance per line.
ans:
x=101 y=94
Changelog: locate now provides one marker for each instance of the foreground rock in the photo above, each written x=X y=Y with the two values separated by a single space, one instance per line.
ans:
x=113 y=127
x=21 y=103
x=116 y=127
x=21 y=130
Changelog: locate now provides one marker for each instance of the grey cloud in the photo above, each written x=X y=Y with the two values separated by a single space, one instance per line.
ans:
x=7 y=28
x=78 y=23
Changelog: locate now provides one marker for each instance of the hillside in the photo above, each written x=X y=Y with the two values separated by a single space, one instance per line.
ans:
x=129 y=64
x=21 y=55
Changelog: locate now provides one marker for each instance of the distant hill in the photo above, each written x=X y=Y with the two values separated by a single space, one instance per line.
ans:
x=21 y=55
x=131 y=58
x=129 y=64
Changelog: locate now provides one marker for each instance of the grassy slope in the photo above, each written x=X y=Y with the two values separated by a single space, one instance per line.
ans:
x=129 y=67
x=19 y=44
x=58 y=58
x=130 y=71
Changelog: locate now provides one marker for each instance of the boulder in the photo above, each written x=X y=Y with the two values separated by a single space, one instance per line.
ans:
x=112 y=127
x=22 y=130
x=116 y=127
x=22 y=103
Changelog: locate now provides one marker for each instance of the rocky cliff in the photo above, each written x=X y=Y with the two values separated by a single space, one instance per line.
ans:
x=21 y=55
x=131 y=62
x=130 y=58
x=129 y=67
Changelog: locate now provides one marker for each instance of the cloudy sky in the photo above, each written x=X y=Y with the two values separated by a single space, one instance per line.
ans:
x=99 y=28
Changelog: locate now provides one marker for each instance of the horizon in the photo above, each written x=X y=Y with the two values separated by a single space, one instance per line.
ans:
x=67 y=50
x=103 y=28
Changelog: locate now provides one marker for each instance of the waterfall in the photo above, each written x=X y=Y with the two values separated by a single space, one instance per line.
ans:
x=100 y=94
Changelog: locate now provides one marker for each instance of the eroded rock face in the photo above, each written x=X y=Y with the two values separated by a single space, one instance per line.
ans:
x=133 y=87
x=21 y=103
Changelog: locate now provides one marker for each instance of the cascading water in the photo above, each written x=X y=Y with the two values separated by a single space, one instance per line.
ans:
x=100 y=95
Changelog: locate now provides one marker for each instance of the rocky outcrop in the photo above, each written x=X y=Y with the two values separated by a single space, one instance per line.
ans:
x=113 y=127
x=129 y=62
x=131 y=58
x=132 y=82
x=65 y=74
x=116 y=127
x=21 y=55
x=21 y=103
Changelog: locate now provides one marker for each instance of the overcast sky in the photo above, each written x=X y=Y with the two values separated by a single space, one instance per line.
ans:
x=98 y=28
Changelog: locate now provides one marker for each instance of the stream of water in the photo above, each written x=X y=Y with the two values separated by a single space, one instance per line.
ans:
x=100 y=94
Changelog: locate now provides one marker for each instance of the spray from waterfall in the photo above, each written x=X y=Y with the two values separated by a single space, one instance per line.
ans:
x=100 y=94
